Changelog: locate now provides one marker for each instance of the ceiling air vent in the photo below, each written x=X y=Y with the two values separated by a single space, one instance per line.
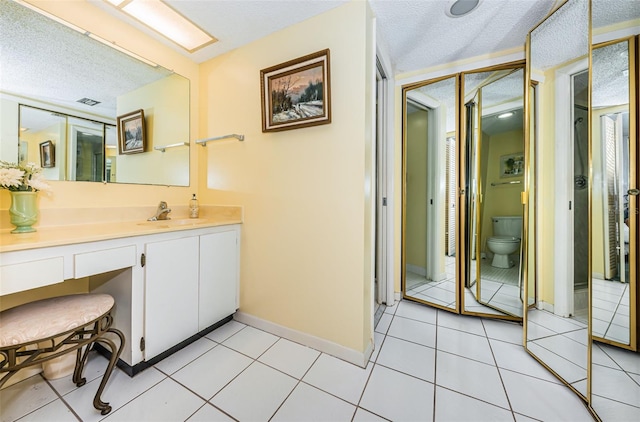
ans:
x=88 y=101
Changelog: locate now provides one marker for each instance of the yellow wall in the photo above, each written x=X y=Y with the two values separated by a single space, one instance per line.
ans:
x=416 y=186
x=75 y=194
x=305 y=257
x=545 y=183
x=503 y=199
x=166 y=113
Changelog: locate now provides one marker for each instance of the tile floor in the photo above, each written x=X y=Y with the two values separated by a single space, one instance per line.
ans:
x=499 y=289
x=428 y=365
x=611 y=310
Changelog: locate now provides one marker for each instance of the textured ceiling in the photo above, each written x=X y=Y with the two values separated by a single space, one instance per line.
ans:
x=39 y=54
x=610 y=83
x=417 y=33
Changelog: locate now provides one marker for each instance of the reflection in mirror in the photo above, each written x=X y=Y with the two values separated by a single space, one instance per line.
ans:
x=494 y=102
x=430 y=193
x=610 y=161
x=556 y=331
x=38 y=70
x=615 y=363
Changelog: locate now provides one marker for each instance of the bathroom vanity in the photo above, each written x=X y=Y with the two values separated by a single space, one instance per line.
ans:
x=172 y=280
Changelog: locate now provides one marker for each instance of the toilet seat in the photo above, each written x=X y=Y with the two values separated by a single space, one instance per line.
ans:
x=504 y=239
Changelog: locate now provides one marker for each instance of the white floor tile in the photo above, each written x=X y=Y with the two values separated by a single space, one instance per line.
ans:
x=413 y=330
x=469 y=377
x=416 y=311
x=515 y=358
x=24 y=397
x=378 y=339
x=503 y=330
x=398 y=397
x=209 y=373
x=120 y=389
x=567 y=348
x=614 y=411
x=251 y=341
x=166 y=401
x=95 y=368
x=364 y=416
x=256 y=394
x=464 y=344
x=337 y=377
x=383 y=324
x=543 y=400
x=222 y=333
x=451 y=406
x=469 y=324
x=614 y=384
x=307 y=403
x=566 y=369
x=182 y=357
x=56 y=410
x=208 y=413
x=391 y=309
x=410 y=358
x=627 y=360
x=290 y=358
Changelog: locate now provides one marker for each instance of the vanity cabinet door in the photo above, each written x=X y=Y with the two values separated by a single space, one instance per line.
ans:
x=218 y=277
x=171 y=293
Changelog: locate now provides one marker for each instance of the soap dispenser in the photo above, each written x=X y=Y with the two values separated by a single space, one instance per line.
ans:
x=194 y=209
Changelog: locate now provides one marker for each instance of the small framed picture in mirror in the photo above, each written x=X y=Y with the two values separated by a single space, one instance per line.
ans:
x=47 y=154
x=512 y=165
x=132 y=137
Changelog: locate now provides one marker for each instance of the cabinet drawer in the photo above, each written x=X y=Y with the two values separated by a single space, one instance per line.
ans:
x=98 y=262
x=30 y=275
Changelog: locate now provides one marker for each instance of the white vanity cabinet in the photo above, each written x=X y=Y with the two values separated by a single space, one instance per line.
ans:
x=191 y=283
x=168 y=286
x=219 y=277
x=171 y=293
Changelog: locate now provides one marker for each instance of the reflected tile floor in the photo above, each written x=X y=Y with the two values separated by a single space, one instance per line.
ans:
x=241 y=373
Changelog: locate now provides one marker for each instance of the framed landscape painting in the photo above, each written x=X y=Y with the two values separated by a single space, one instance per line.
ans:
x=132 y=132
x=297 y=93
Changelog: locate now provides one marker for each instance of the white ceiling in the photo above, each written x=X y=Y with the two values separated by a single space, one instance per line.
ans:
x=417 y=34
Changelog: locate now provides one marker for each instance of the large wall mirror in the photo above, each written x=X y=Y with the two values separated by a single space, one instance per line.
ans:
x=430 y=193
x=615 y=363
x=557 y=326
x=494 y=170
x=63 y=85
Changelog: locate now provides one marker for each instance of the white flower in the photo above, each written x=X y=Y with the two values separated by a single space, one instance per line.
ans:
x=22 y=177
x=11 y=177
x=37 y=182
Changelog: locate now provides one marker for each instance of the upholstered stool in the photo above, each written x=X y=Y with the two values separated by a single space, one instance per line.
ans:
x=55 y=326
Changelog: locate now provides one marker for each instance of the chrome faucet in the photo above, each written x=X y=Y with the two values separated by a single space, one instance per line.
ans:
x=162 y=212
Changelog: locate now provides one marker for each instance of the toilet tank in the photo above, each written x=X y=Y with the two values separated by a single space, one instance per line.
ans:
x=508 y=225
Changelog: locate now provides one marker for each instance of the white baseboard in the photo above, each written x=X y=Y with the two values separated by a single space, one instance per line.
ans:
x=599 y=276
x=416 y=270
x=398 y=296
x=352 y=356
x=545 y=306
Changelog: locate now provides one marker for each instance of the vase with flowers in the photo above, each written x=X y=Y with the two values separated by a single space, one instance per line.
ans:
x=23 y=181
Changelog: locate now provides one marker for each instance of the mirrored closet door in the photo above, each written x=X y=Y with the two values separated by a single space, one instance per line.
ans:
x=615 y=362
x=430 y=193
x=557 y=325
x=493 y=124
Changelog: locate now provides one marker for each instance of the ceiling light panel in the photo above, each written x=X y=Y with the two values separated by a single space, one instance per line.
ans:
x=167 y=22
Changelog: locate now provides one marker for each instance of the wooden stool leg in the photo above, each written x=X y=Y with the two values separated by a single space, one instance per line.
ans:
x=103 y=407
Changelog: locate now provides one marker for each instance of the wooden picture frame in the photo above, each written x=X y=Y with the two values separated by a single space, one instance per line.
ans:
x=47 y=154
x=132 y=133
x=512 y=165
x=297 y=93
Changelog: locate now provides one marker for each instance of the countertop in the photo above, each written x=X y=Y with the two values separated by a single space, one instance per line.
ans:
x=67 y=234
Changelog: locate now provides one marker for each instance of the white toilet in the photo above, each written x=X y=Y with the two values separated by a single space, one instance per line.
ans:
x=507 y=231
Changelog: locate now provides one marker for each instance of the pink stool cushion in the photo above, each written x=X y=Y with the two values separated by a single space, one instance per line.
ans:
x=50 y=317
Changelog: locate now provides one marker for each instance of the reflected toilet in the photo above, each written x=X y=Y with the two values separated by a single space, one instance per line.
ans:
x=507 y=232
